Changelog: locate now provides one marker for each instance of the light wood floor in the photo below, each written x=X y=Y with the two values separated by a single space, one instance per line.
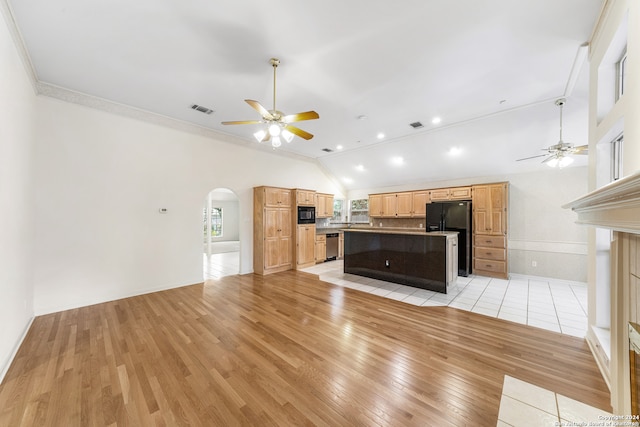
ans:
x=285 y=349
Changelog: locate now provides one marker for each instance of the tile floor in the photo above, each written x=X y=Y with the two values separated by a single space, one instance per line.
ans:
x=552 y=304
x=221 y=264
x=527 y=405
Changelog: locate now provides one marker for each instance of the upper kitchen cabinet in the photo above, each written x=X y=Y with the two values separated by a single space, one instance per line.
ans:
x=305 y=197
x=324 y=205
x=419 y=200
x=408 y=204
x=454 y=193
x=404 y=205
x=277 y=197
x=490 y=209
x=375 y=205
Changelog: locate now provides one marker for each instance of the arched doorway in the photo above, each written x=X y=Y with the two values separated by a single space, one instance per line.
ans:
x=221 y=238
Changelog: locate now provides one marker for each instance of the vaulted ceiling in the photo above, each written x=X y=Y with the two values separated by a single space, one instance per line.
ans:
x=490 y=70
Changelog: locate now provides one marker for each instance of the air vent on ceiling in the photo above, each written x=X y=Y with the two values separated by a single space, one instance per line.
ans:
x=327 y=150
x=202 y=109
x=416 y=125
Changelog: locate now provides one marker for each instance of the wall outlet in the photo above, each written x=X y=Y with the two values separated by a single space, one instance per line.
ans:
x=534 y=263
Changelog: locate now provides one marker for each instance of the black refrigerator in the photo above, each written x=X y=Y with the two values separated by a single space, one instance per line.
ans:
x=453 y=216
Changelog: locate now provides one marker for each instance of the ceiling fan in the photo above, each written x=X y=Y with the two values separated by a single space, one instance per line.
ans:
x=558 y=154
x=278 y=125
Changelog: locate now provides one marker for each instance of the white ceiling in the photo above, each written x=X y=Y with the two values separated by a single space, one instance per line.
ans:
x=490 y=69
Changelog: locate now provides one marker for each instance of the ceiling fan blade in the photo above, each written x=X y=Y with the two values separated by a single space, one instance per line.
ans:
x=581 y=149
x=260 y=109
x=307 y=115
x=297 y=131
x=243 y=122
x=532 y=157
x=548 y=159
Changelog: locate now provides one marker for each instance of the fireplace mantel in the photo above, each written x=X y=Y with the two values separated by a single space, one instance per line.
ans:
x=615 y=206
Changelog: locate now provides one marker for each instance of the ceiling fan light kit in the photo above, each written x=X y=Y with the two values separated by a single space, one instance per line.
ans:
x=278 y=125
x=558 y=154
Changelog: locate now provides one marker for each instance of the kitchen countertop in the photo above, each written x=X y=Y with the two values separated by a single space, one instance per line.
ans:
x=408 y=231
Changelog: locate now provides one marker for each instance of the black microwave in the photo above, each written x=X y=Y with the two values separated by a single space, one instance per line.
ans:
x=306 y=215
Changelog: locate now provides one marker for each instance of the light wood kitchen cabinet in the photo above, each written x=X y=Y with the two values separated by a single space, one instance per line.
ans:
x=389 y=204
x=419 y=200
x=305 y=197
x=272 y=236
x=490 y=209
x=490 y=230
x=305 y=246
x=453 y=193
x=375 y=205
x=460 y=193
x=440 y=194
x=321 y=247
x=277 y=197
x=404 y=205
x=341 y=245
x=324 y=205
x=407 y=204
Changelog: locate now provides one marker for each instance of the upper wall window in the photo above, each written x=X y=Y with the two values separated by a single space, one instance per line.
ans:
x=622 y=73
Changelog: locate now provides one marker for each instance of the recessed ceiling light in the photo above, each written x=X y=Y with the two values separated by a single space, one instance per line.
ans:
x=339 y=147
x=397 y=160
x=455 y=151
x=360 y=168
x=380 y=135
x=436 y=120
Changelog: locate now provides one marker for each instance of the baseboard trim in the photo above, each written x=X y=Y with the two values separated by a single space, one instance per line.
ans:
x=5 y=368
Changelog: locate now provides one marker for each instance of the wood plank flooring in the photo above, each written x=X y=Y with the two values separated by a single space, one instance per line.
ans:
x=285 y=349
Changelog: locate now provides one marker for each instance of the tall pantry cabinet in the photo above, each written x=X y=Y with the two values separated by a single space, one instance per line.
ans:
x=490 y=204
x=272 y=230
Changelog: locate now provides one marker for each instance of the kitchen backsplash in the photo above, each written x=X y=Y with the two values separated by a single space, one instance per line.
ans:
x=375 y=222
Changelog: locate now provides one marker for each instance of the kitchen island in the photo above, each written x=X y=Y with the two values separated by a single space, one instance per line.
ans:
x=409 y=257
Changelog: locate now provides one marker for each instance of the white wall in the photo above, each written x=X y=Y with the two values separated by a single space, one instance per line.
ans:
x=101 y=179
x=539 y=228
x=17 y=100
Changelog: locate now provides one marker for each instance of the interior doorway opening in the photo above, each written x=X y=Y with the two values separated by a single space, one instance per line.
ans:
x=221 y=234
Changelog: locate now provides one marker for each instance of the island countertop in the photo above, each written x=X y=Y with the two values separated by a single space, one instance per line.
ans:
x=407 y=231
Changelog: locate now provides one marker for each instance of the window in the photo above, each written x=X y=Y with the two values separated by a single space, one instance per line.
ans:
x=622 y=74
x=359 y=210
x=338 y=211
x=616 y=158
x=214 y=224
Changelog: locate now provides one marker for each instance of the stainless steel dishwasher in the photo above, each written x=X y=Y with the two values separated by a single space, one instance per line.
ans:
x=332 y=246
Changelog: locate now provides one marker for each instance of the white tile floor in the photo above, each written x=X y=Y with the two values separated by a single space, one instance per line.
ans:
x=222 y=264
x=552 y=304
x=527 y=405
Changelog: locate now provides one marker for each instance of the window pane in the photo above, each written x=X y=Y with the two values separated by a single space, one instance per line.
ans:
x=360 y=210
x=216 y=222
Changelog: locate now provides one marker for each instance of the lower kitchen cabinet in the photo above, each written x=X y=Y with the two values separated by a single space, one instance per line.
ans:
x=305 y=246
x=321 y=247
